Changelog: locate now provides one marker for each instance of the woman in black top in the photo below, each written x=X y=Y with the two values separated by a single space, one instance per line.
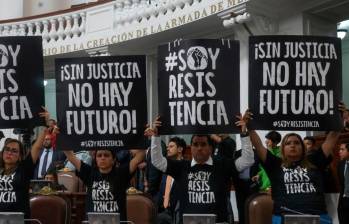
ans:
x=106 y=183
x=16 y=170
x=297 y=178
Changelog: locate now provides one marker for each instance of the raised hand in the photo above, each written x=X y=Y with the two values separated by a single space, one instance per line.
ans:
x=73 y=159
x=152 y=130
x=45 y=114
x=345 y=115
x=248 y=115
x=243 y=120
x=241 y=123
x=342 y=108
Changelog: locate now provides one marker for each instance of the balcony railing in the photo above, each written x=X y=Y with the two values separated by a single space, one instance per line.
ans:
x=71 y=25
x=111 y=22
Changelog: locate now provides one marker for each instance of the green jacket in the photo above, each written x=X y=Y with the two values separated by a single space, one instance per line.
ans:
x=264 y=182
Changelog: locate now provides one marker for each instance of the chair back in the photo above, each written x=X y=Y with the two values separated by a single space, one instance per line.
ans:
x=69 y=180
x=259 y=209
x=140 y=209
x=50 y=209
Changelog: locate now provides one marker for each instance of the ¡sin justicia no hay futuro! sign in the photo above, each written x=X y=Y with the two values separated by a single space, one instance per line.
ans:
x=101 y=102
x=295 y=82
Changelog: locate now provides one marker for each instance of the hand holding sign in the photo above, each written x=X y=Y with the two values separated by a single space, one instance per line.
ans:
x=45 y=114
x=345 y=115
x=342 y=108
x=153 y=129
x=242 y=123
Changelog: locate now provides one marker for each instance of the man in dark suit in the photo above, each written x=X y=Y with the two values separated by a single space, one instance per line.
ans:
x=47 y=158
x=343 y=174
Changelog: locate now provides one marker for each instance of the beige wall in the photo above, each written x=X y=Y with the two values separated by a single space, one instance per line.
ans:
x=35 y=7
x=11 y=9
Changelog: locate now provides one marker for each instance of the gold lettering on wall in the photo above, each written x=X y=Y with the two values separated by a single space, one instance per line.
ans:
x=148 y=29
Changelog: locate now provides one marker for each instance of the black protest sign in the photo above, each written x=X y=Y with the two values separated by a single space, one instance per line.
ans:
x=295 y=82
x=21 y=82
x=101 y=102
x=199 y=86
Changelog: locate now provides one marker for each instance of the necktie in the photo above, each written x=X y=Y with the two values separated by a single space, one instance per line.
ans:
x=44 y=164
x=167 y=191
x=346 y=180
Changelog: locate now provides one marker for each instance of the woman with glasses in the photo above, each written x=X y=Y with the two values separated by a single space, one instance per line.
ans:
x=106 y=183
x=16 y=170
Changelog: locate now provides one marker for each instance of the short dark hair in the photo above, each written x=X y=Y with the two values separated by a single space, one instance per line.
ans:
x=52 y=170
x=113 y=152
x=209 y=139
x=346 y=145
x=179 y=142
x=274 y=136
x=310 y=138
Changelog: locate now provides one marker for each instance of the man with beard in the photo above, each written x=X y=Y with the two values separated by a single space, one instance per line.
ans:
x=48 y=157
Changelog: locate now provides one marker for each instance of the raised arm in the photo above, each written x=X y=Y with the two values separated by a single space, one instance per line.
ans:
x=157 y=159
x=257 y=143
x=255 y=139
x=37 y=146
x=73 y=159
x=138 y=157
x=330 y=142
x=332 y=137
x=247 y=156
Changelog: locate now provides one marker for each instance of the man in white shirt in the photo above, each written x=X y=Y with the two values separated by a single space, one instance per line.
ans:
x=204 y=181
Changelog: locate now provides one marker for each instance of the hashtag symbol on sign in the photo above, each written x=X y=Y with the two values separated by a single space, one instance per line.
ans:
x=275 y=123
x=82 y=144
x=171 y=61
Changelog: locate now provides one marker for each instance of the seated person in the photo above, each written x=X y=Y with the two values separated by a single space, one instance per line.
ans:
x=51 y=175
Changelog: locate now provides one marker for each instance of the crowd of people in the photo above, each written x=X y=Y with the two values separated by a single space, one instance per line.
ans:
x=292 y=170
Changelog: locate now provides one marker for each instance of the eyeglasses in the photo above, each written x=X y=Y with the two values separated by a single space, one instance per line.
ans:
x=11 y=150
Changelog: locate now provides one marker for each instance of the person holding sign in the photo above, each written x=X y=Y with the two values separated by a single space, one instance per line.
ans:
x=16 y=170
x=296 y=178
x=204 y=181
x=106 y=184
